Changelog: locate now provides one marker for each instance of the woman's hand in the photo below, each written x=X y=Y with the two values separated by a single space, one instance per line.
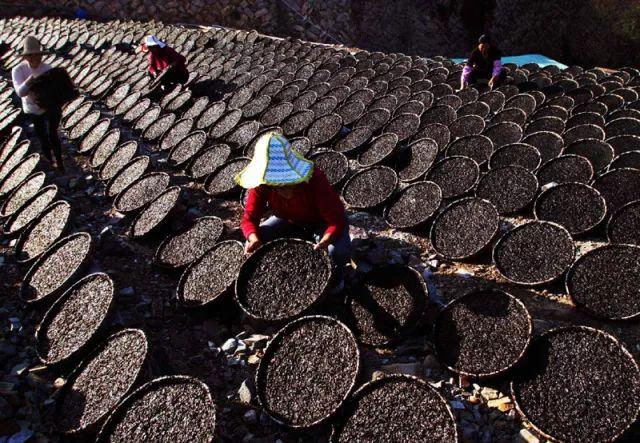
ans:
x=253 y=243
x=324 y=242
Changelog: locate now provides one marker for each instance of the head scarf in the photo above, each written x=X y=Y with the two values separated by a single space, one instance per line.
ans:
x=152 y=40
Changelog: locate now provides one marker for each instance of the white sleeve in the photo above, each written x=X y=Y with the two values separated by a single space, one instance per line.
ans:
x=19 y=82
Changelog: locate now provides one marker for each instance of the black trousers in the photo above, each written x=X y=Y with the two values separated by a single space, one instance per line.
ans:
x=175 y=75
x=46 y=127
x=484 y=75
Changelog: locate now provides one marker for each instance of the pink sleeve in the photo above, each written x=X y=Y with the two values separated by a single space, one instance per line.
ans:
x=497 y=67
x=466 y=72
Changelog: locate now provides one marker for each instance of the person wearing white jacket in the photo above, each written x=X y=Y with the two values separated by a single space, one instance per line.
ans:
x=45 y=121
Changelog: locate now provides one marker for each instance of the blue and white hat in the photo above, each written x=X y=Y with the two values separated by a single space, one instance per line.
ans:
x=275 y=163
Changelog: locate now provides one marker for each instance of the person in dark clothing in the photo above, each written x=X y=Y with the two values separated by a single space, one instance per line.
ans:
x=165 y=64
x=45 y=120
x=485 y=63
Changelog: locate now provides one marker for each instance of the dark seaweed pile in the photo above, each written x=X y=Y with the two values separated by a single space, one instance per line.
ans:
x=324 y=129
x=142 y=191
x=598 y=152
x=397 y=408
x=180 y=411
x=437 y=132
x=158 y=127
x=282 y=280
x=308 y=371
x=212 y=274
x=455 y=175
x=464 y=228
x=208 y=161
x=618 y=187
x=605 y=281
x=211 y=115
x=482 y=333
x=518 y=154
x=467 y=126
x=242 y=135
x=147 y=118
x=222 y=180
x=403 y=126
x=16 y=176
x=94 y=135
x=379 y=149
x=297 y=122
x=354 y=140
x=75 y=318
x=534 y=253
x=566 y=169
x=414 y=205
x=576 y=206
x=276 y=114
x=155 y=212
x=477 y=147
x=22 y=193
x=382 y=311
x=44 y=231
x=624 y=226
x=225 y=124
x=84 y=125
x=175 y=134
x=502 y=134
x=579 y=385
x=102 y=381
x=333 y=164
x=629 y=159
x=105 y=147
x=53 y=270
x=414 y=161
x=549 y=144
x=117 y=160
x=184 y=248
x=510 y=188
x=186 y=148
x=370 y=187
x=30 y=210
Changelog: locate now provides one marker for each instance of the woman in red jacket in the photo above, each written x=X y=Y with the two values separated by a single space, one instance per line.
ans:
x=302 y=201
x=164 y=61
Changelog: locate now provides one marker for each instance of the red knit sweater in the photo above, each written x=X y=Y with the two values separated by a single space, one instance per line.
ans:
x=161 y=58
x=314 y=202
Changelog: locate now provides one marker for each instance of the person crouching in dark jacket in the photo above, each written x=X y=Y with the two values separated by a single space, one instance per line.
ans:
x=165 y=64
x=485 y=62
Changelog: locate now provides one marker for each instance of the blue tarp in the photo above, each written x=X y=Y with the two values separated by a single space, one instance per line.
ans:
x=524 y=59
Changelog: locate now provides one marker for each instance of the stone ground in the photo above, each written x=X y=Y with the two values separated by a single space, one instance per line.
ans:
x=219 y=347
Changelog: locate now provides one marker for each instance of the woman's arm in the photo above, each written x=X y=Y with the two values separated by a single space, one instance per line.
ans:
x=253 y=212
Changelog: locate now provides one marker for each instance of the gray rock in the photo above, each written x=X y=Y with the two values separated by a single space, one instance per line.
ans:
x=229 y=345
x=127 y=292
x=250 y=416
